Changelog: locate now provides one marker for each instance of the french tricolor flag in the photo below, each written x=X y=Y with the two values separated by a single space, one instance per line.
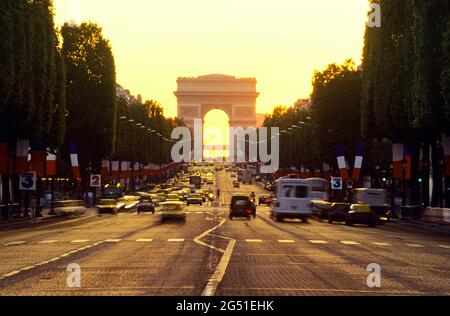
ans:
x=358 y=163
x=50 y=165
x=74 y=161
x=22 y=152
x=407 y=157
x=115 y=170
x=342 y=164
x=105 y=169
x=397 y=157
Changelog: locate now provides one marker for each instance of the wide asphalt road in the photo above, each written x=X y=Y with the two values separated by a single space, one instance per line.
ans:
x=136 y=254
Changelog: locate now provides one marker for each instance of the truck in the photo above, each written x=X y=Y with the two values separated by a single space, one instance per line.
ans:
x=377 y=199
x=196 y=181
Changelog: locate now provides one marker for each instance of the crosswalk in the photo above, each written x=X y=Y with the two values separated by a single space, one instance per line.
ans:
x=317 y=242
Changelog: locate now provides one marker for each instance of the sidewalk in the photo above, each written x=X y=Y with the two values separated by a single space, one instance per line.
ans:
x=46 y=216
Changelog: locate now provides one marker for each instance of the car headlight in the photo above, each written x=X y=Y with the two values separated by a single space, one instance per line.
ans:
x=352 y=212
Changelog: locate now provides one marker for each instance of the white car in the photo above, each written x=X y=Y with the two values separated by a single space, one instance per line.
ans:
x=173 y=210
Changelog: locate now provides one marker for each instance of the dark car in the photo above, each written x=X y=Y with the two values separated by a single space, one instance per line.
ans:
x=236 y=184
x=355 y=214
x=338 y=212
x=242 y=206
x=195 y=199
x=321 y=209
x=265 y=199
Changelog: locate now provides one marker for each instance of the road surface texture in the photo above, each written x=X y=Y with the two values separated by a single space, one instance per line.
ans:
x=137 y=254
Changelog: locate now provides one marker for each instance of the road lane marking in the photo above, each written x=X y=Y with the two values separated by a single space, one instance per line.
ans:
x=48 y=242
x=381 y=244
x=444 y=246
x=253 y=240
x=350 y=242
x=13 y=273
x=113 y=240
x=318 y=242
x=79 y=241
x=144 y=240
x=188 y=212
x=15 y=243
x=219 y=273
x=415 y=246
x=198 y=212
x=286 y=241
x=175 y=240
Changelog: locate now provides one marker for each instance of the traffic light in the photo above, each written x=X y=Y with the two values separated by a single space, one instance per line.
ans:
x=420 y=180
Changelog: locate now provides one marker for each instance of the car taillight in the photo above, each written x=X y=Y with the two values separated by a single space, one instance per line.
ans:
x=269 y=201
x=248 y=212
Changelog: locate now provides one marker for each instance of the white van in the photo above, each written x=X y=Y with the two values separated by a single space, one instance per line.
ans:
x=292 y=199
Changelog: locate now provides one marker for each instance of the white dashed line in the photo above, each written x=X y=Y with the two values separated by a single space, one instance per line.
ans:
x=144 y=240
x=15 y=243
x=350 y=242
x=444 y=246
x=286 y=241
x=79 y=241
x=113 y=240
x=318 y=242
x=48 y=242
x=253 y=240
x=382 y=244
x=176 y=240
x=415 y=245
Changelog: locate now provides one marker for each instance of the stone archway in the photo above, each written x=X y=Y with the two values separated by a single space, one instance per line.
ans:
x=235 y=96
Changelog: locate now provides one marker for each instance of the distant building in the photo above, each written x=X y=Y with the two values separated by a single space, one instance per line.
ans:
x=121 y=92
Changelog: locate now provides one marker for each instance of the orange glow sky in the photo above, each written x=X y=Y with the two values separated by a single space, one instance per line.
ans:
x=280 y=42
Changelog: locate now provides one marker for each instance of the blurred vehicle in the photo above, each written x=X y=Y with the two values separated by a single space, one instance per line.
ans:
x=145 y=203
x=114 y=200
x=319 y=188
x=210 y=181
x=265 y=199
x=321 y=209
x=338 y=212
x=361 y=214
x=195 y=199
x=172 y=197
x=377 y=199
x=242 y=206
x=236 y=184
x=195 y=181
x=292 y=199
x=173 y=210
x=162 y=197
x=202 y=193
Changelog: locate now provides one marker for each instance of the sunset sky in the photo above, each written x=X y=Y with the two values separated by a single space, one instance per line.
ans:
x=280 y=42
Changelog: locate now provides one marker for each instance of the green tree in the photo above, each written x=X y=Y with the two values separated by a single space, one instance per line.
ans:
x=91 y=92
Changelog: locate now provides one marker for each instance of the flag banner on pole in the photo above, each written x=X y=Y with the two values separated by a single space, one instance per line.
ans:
x=115 y=170
x=358 y=163
x=397 y=157
x=74 y=161
x=124 y=170
x=446 y=146
x=407 y=157
x=38 y=162
x=22 y=151
x=50 y=165
x=326 y=171
x=342 y=164
x=3 y=158
x=105 y=170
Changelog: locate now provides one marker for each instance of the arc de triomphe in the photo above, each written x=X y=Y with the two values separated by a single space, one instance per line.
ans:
x=235 y=96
